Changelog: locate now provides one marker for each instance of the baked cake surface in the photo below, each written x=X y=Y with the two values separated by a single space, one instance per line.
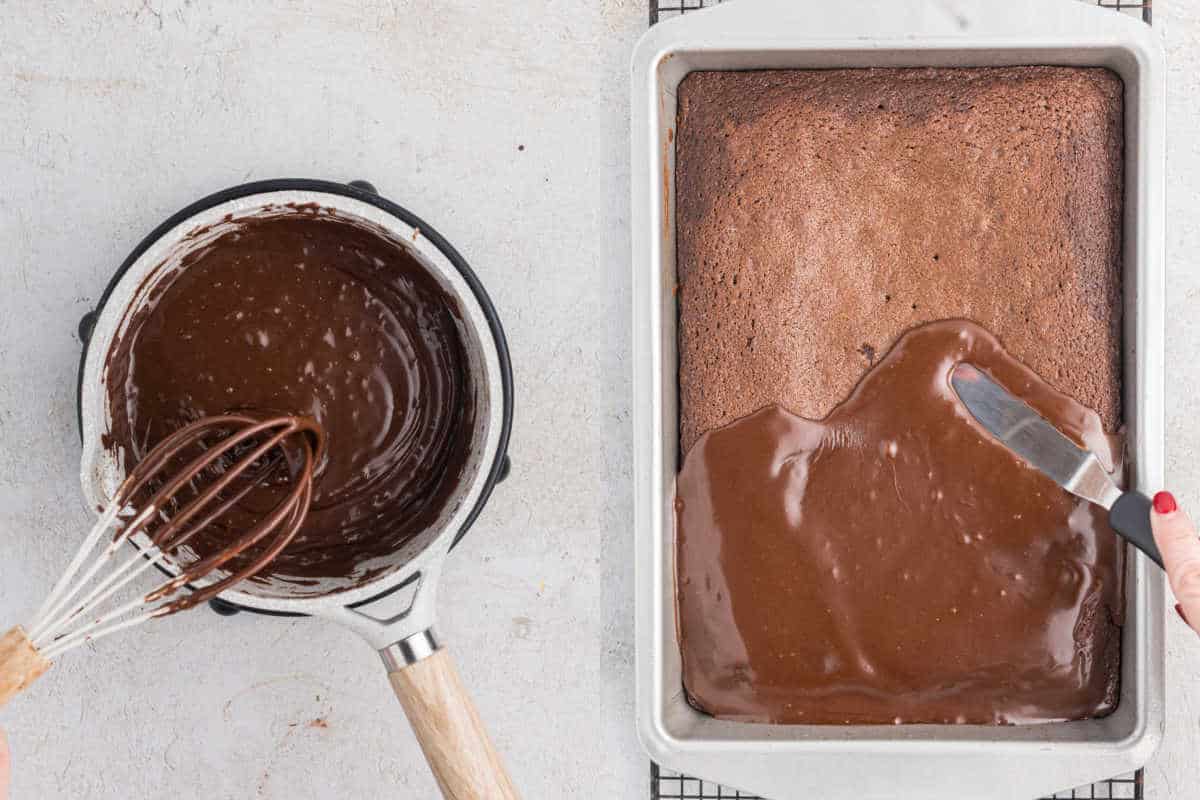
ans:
x=820 y=214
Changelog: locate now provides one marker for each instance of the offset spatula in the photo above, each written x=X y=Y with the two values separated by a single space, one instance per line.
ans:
x=1042 y=446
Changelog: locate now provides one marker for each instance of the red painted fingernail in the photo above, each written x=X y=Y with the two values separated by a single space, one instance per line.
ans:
x=1182 y=616
x=1164 y=503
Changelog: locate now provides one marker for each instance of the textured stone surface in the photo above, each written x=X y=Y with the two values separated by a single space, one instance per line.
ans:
x=115 y=114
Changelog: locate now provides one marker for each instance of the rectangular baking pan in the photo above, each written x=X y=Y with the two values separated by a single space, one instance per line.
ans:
x=931 y=762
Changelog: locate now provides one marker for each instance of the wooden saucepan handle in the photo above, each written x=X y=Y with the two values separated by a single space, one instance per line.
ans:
x=20 y=664
x=459 y=752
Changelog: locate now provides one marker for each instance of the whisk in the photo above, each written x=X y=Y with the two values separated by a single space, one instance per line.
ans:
x=189 y=482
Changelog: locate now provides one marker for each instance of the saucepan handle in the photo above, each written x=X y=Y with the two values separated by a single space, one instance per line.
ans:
x=444 y=719
x=1130 y=517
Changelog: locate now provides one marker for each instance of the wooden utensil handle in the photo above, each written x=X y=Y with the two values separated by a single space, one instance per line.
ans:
x=459 y=752
x=20 y=663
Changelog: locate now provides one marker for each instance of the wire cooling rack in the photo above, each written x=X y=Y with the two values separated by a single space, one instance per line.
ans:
x=668 y=785
x=665 y=9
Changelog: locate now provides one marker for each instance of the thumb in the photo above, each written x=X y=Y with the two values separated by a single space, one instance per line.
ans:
x=1176 y=538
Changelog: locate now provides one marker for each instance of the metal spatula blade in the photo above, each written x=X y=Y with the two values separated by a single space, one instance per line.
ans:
x=1038 y=443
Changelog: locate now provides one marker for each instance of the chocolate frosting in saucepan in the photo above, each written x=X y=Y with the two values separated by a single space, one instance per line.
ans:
x=308 y=312
x=893 y=563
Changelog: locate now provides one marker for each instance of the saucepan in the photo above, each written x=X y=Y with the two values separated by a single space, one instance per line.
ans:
x=394 y=610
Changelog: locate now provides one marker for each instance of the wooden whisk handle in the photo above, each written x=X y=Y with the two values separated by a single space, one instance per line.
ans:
x=20 y=663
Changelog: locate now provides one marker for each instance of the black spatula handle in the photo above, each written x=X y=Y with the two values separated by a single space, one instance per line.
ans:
x=1130 y=517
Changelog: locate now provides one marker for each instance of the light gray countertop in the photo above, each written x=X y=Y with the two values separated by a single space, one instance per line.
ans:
x=113 y=115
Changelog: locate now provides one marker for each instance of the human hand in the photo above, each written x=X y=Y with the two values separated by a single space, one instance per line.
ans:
x=1176 y=538
x=5 y=763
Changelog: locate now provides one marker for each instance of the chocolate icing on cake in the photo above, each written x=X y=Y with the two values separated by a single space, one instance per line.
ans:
x=893 y=562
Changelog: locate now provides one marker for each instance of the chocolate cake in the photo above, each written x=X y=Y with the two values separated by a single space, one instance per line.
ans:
x=820 y=215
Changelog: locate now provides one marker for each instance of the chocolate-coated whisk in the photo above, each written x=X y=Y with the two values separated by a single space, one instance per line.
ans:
x=189 y=482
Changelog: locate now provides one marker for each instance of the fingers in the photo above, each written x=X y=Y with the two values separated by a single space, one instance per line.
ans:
x=1176 y=538
x=5 y=766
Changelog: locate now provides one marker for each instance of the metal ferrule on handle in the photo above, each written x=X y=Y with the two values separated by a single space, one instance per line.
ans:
x=409 y=650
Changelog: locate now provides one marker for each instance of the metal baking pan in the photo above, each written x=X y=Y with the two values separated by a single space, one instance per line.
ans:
x=933 y=762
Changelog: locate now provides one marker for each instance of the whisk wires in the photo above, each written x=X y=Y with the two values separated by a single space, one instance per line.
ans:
x=169 y=498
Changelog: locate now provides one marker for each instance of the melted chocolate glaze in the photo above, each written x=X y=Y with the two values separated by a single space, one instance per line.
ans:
x=893 y=563
x=309 y=313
